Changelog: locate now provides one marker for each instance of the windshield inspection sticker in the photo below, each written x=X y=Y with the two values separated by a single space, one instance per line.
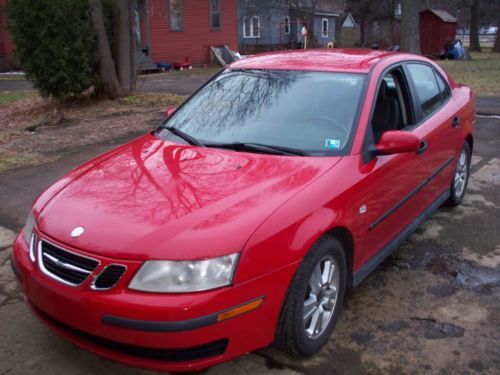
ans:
x=332 y=143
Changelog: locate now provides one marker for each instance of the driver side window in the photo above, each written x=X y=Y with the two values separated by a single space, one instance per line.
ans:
x=392 y=109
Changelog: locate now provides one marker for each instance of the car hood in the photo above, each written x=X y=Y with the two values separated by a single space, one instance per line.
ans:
x=155 y=199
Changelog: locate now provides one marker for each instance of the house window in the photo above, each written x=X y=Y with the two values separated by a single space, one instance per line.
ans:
x=287 y=26
x=250 y=3
x=176 y=15
x=251 y=27
x=324 y=27
x=397 y=11
x=215 y=15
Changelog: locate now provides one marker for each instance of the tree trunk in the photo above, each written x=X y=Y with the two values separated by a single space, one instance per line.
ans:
x=106 y=63
x=410 y=41
x=133 y=45
x=123 y=43
x=496 y=47
x=474 y=27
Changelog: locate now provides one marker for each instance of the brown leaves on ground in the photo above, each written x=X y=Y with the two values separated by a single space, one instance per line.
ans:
x=35 y=130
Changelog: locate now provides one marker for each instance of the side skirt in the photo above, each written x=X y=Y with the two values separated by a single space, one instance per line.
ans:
x=387 y=250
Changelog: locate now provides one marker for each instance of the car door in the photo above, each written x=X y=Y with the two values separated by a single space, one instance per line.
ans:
x=437 y=115
x=392 y=190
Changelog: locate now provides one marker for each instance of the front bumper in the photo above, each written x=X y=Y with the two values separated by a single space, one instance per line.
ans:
x=160 y=332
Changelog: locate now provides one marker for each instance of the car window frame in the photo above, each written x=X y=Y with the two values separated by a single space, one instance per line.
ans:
x=368 y=139
x=416 y=100
x=328 y=153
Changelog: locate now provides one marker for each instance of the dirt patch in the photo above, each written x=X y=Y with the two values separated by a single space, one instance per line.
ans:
x=35 y=131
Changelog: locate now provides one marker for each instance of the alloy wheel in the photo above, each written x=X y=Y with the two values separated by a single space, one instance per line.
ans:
x=321 y=297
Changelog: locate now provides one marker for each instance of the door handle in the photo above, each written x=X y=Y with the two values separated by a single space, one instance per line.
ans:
x=422 y=147
x=455 y=122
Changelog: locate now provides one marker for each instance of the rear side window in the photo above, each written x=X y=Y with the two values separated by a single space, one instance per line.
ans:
x=428 y=91
x=443 y=87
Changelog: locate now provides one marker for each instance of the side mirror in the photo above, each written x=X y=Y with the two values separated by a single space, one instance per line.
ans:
x=396 y=142
x=170 y=111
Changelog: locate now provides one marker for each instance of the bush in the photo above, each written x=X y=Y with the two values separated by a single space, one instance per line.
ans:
x=55 y=45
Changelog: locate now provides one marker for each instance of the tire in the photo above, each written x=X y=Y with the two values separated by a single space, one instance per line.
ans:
x=295 y=334
x=460 y=178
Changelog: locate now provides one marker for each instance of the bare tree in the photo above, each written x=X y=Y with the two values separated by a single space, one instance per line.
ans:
x=410 y=41
x=106 y=63
x=496 y=47
x=474 y=26
x=125 y=45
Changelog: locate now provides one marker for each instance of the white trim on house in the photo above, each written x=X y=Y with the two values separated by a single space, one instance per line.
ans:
x=327 y=14
x=251 y=20
x=324 y=22
x=349 y=21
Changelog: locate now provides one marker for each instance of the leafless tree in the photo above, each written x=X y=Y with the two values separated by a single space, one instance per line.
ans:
x=119 y=79
x=410 y=41
x=474 y=26
x=106 y=63
x=496 y=47
x=125 y=44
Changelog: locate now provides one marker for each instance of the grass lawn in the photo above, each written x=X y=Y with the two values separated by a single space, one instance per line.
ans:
x=482 y=73
x=7 y=97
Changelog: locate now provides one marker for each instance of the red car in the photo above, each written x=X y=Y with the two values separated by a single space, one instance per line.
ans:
x=241 y=221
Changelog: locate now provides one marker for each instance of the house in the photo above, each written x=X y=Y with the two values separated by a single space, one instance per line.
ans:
x=379 y=22
x=349 y=33
x=265 y=25
x=6 y=45
x=167 y=31
x=179 y=30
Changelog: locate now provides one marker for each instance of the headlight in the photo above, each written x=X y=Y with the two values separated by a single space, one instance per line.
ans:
x=168 y=276
x=28 y=228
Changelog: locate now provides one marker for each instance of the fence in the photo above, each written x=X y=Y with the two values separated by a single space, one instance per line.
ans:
x=485 y=40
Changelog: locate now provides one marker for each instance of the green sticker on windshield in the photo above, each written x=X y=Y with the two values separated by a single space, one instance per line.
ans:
x=332 y=143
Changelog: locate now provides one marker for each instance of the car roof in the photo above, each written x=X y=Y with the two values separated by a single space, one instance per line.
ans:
x=329 y=60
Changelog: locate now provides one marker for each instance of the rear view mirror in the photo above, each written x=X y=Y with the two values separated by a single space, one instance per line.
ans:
x=396 y=142
x=170 y=111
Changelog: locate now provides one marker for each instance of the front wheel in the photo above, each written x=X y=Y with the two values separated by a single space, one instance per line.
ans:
x=460 y=177
x=314 y=299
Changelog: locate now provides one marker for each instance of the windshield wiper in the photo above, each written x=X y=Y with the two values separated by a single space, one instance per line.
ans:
x=259 y=147
x=188 y=138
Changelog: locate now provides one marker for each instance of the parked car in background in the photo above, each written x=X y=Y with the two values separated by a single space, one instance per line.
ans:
x=243 y=218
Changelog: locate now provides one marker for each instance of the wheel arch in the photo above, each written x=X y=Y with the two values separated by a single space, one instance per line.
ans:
x=470 y=140
x=344 y=236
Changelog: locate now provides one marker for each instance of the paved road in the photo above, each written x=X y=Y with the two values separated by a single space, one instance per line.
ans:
x=177 y=82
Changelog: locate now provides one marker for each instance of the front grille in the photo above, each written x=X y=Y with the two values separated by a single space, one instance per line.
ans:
x=109 y=277
x=211 y=349
x=64 y=266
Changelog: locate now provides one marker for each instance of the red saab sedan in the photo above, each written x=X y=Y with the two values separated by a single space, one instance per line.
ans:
x=243 y=218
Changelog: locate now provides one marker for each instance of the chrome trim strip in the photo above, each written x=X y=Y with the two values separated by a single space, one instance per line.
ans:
x=32 y=247
x=66 y=265
x=92 y=285
x=55 y=277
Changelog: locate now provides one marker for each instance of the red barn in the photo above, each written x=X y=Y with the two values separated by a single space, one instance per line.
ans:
x=6 y=45
x=437 y=27
x=172 y=30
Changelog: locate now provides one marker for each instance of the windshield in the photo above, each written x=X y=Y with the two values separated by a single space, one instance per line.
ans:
x=309 y=111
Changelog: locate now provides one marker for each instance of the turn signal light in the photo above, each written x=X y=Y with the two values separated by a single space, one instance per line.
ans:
x=228 y=314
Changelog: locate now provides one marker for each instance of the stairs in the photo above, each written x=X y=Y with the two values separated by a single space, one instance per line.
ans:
x=144 y=63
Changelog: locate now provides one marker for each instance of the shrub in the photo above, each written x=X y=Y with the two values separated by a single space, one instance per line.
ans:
x=55 y=45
